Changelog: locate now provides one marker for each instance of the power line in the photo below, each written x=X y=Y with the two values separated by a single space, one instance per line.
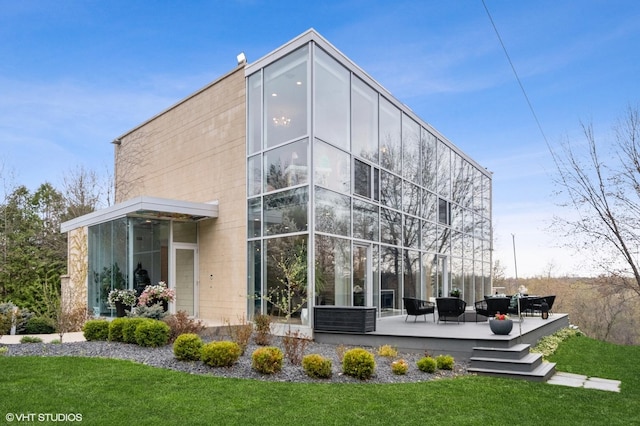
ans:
x=513 y=68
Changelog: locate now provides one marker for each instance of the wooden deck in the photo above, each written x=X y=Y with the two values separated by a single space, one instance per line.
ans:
x=449 y=338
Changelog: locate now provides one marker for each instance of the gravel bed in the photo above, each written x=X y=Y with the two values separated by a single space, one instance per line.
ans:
x=163 y=358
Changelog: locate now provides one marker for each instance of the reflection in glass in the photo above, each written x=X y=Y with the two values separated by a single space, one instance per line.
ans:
x=390 y=227
x=333 y=262
x=365 y=220
x=411 y=165
x=254 y=219
x=412 y=274
x=285 y=98
x=362 y=179
x=429 y=236
x=254 y=290
x=286 y=276
x=390 y=146
x=411 y=198
x=331 y=167
x=391 y=190
x=254 y=175
x=286 y=212
x=444 y=169
x=411 y=231
x=428 y=160
x=331 y=100
x=390 y=278
x=286 y=166
x=364 y=120
x=254 y=115
x=333 y=212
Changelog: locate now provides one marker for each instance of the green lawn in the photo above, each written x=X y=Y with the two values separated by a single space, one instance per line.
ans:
x=112 y=392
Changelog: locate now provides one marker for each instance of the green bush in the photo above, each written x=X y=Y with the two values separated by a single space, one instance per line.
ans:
x=263 y=330
x=316 y=366
x=97 y=329
x=358 y=363
x=445 y=362
x=220 y=354
x=152 y=333
x=400 y=367
x=39 y=325
x=129 y=329
x=3 y=350
x=427 y=364
x=387 y=351
x=187 y=347
x=267 y=360
x=30 y=339
x=115 y=329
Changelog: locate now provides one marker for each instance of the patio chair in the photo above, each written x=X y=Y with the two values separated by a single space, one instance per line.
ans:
x=536 y=304
x=450 y=308
x=491 y=306
x=417 y=307
x=525 y=305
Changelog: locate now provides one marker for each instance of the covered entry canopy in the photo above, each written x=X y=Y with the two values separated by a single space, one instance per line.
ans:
x=147 y=207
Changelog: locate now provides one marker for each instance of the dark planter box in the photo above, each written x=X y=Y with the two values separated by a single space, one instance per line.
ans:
x=344 y=319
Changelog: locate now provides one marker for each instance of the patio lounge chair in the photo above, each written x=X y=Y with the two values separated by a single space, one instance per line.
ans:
x=450 y=308
x=491 y=306
x=418 y=307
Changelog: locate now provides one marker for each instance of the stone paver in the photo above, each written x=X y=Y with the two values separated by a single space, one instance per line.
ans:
x=579 y=381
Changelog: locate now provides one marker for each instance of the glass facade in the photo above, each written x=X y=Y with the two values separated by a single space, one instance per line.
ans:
x=358 y=202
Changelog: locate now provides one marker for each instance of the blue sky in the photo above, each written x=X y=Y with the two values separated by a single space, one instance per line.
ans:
x=76 y=74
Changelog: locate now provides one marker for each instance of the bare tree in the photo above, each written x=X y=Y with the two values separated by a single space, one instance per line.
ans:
x=604 y=193
x=81 y=191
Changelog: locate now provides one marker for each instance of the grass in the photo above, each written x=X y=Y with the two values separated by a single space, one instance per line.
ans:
x=122 y=392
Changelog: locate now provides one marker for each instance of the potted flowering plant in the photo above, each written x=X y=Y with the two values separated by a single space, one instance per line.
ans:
x=119 y=298
x=455 y=292
x=159 y=293
x=501 y=324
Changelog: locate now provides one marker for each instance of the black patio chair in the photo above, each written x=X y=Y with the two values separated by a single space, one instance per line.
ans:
x=536 y=304
x=450 y=308
x=418 y=307
x=491 y=306
x=525 y=305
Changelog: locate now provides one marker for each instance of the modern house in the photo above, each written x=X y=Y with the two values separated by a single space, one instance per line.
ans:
x=296 y=173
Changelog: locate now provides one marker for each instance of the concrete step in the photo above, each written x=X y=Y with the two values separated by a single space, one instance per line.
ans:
x=541 y=374
x=529 y=362
x=513 y=352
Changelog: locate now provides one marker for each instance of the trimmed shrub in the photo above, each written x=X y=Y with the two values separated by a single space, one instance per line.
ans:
x=30 y=339
x=316 y=366
x=358 y=363
x=152 y=333
x=387 y=351
x=220 y=354
x=129 y=329
x=427 y=364
x=267 y=360
x=187 y=347
x=400 y=367
x=115 y=329
x=3 y=350
x=97 y=329
x=39 y=325
x=445 y=362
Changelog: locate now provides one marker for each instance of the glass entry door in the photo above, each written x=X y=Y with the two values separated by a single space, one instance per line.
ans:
x=185 y=269
x=362 y=283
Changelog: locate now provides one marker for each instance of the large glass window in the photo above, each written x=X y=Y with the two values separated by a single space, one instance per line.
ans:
x=331 y=100
x=411 y=231
x=254 y=175
x=390 y=145
x=286 y=276
x=254 y=219
x=331 y=168
x=444 y=170
x=286 y=166
x=412 y=274
x=411 y=164
x=254 y=113
x=428 y=160
x=333 y=212
x=364 y=120
x=365 y=220
x=390 y=280
x=391 y=227
x=286 y=212
x=366 y=180
x=391 y=190
x=333 y=271
x=285 y=98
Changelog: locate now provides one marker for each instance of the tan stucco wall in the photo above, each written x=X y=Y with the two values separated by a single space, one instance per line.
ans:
x=195 y=151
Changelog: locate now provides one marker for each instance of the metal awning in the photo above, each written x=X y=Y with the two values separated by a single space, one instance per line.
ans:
x=147 y=207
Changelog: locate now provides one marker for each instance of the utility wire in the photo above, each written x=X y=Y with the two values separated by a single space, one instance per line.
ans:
x=513 y=68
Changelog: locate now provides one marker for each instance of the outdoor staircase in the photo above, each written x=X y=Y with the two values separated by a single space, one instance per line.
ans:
x=515 y=362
